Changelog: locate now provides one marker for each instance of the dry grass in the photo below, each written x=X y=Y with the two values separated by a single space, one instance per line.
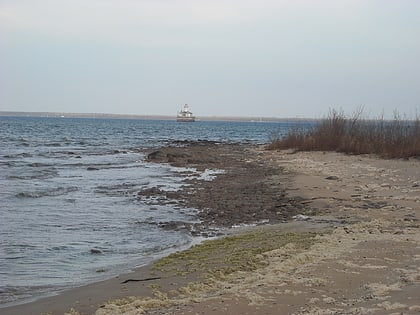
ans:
x=397 y=138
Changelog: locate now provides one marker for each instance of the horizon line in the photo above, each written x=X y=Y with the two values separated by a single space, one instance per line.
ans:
x=149 y=117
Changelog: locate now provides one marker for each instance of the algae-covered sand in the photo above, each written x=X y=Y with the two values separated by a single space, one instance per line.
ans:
x=210 y=265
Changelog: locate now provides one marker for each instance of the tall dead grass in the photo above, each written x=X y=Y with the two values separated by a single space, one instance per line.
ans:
x=397 y=138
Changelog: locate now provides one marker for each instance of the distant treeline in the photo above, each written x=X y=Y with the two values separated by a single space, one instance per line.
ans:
x=397 y=138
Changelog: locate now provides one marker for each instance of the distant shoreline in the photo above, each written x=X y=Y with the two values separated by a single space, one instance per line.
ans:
x=148 y=117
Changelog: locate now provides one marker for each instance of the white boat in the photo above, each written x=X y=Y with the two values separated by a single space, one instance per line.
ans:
x=185 y=115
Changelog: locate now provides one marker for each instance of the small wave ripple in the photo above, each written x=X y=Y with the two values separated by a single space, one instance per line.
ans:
x=51 y=192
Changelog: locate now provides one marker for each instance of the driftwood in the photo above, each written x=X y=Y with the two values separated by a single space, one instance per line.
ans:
x=138 y=280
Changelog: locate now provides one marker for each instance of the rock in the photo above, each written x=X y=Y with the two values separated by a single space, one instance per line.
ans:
x=95 y=251
x=156 y=155
x=332 y=177
x=301 y=217
x=177 y=155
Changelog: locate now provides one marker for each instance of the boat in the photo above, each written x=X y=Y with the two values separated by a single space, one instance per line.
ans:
x=185 y=115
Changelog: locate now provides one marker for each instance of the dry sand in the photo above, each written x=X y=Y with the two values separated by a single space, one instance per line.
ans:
x=367 y=263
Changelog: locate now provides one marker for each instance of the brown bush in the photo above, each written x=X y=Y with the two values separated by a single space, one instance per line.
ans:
x=397 y=138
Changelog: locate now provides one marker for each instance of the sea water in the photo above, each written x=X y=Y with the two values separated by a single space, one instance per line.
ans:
x=69 y=209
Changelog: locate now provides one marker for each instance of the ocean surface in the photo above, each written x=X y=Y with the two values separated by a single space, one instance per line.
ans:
x=69 y=212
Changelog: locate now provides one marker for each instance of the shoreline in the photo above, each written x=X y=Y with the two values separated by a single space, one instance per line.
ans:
x=194 y=155
x=87 y=299
x=363 y=201
x=68 y=295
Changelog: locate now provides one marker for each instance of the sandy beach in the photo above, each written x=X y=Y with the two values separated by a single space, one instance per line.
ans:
x=325 y=233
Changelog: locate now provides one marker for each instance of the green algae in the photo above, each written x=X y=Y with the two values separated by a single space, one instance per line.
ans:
x=223 y=256
x=211 y=263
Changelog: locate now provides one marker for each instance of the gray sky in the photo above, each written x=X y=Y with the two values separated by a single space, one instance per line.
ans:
x=294 y=58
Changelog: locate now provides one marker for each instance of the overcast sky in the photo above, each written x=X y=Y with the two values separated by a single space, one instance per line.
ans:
x=278 y=58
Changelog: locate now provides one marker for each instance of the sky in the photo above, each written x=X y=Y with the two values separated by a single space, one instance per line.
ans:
x=260 y=58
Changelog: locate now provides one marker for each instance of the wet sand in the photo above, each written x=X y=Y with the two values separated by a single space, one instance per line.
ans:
x=365 y=260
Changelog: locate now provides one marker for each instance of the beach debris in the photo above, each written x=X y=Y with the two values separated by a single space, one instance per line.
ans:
x=139 y=280
x=331 y=177
x=301 y=217
x=374 y=205
x=95 y=251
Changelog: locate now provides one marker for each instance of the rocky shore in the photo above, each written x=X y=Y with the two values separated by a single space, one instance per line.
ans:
x=246 y=190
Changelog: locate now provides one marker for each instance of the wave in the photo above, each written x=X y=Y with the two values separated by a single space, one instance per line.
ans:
x=59 y=248
x=124 y=189
x=59 y=191
x=23 y=142
x=10 y=294
x=37 y=174
x=39 y=164
x=18 y=155
x=53 y=144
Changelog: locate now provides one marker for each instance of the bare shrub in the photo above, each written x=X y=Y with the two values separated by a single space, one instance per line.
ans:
x=397 y=138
